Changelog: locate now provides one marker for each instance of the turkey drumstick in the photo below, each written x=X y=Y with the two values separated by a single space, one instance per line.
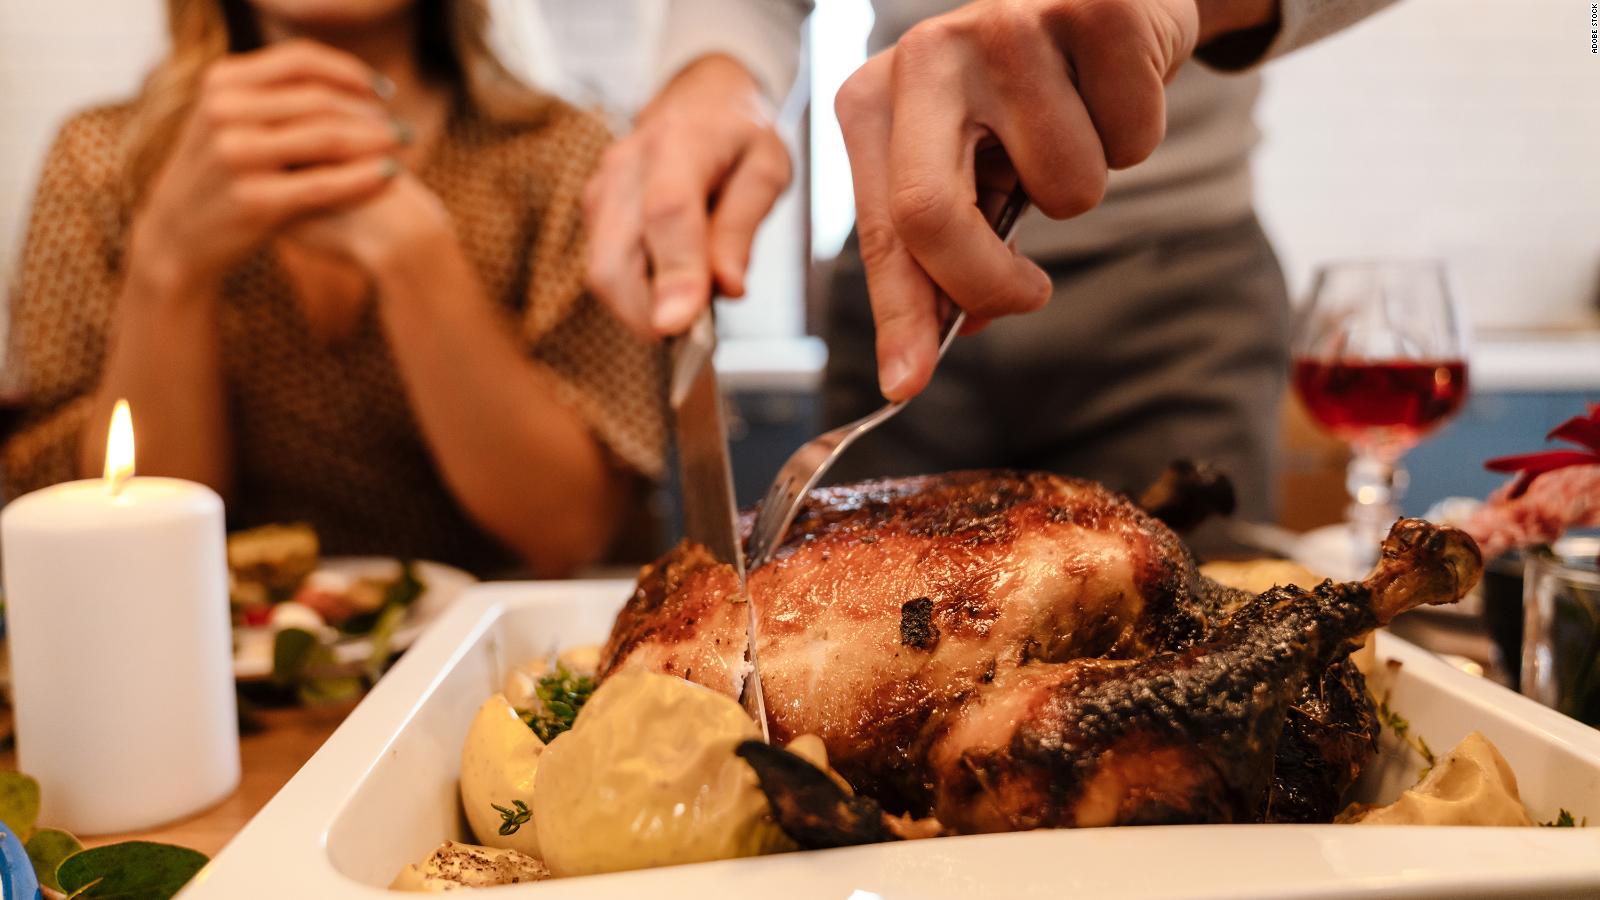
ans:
x=1182 y=736
x=1185 y=736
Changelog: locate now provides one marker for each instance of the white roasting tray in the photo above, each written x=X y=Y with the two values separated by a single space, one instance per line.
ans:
x=382 y=793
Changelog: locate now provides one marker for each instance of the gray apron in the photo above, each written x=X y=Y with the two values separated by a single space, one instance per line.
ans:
x=1173 y=348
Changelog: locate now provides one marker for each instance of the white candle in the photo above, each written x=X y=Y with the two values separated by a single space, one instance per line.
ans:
x=121 y=653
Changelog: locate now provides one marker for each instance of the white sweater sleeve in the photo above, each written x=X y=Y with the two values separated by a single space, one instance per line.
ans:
x=1304 y=22
x=763 y=35
x=1300 y=22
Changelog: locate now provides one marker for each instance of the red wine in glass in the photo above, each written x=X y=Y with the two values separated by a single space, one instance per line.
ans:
x=1378 y=364
x=1391 y=401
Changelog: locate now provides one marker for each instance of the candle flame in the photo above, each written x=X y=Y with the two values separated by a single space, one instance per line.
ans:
x=119 y=448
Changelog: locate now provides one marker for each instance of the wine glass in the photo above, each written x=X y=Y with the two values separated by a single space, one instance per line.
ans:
x=1379 y=362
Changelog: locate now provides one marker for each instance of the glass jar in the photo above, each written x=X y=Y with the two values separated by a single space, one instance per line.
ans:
x=1561 y=631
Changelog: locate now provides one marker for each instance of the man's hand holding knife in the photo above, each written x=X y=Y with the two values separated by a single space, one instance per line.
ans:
x=1054 y=93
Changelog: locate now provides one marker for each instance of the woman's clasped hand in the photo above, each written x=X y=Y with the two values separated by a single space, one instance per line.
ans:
x=275 y=138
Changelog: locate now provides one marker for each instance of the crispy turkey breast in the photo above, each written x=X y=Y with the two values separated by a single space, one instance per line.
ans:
x=893 y=599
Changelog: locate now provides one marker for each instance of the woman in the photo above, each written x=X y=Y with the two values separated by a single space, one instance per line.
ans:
x=331 y=256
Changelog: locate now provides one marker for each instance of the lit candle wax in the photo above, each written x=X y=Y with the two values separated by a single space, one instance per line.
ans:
x=121 y=660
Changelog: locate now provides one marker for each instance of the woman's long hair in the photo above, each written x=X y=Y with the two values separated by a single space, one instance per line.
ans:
x=451 y=46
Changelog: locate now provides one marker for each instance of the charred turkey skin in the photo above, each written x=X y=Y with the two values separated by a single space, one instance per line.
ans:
x=1014 y=651
x=1329 y=735
x=1180 y=737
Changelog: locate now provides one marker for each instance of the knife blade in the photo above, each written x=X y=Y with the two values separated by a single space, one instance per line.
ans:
x=710 y=512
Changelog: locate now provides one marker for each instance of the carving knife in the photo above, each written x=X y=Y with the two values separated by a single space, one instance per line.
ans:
x=710 y=513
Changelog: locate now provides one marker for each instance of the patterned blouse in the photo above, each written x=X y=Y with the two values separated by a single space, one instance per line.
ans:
x=323 y=433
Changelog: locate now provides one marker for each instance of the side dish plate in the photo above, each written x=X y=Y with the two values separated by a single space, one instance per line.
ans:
x=442 y=584
x=382 y=793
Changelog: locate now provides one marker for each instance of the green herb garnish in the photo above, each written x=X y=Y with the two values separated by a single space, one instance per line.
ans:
x=1402 y=730
x=561 y=694
x=512 y=819
x=1565 y=820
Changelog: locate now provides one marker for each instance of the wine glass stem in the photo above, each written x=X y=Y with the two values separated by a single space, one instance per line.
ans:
x=1376 y=483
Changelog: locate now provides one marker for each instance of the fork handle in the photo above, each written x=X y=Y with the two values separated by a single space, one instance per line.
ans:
x=1003 y=220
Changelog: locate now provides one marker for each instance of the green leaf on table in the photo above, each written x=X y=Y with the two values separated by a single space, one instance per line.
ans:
x=47 y=848
x=134 y=870
x=19 y=803
x=292 y=652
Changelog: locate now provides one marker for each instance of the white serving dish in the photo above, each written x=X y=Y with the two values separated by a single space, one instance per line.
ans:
x=382 y=792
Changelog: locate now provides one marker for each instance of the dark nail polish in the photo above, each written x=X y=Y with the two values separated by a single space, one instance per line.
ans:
x=403 y=132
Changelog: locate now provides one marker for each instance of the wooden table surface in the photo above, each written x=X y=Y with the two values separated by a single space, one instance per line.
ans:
x=269 y=756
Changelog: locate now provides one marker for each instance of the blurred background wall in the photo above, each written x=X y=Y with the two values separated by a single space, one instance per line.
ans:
x=1464 y=129
x=56 y=57
x=1467 y=129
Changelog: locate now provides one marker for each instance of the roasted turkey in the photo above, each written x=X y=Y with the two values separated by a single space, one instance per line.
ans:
x=1006 y=651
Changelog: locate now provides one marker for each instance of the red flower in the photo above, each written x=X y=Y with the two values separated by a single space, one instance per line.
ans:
x=1581 y=430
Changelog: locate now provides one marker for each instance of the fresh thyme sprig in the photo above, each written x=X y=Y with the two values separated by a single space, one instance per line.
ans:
x=1402 y=730
x=561 y=695
x=1565 y=820
x=512 y=819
